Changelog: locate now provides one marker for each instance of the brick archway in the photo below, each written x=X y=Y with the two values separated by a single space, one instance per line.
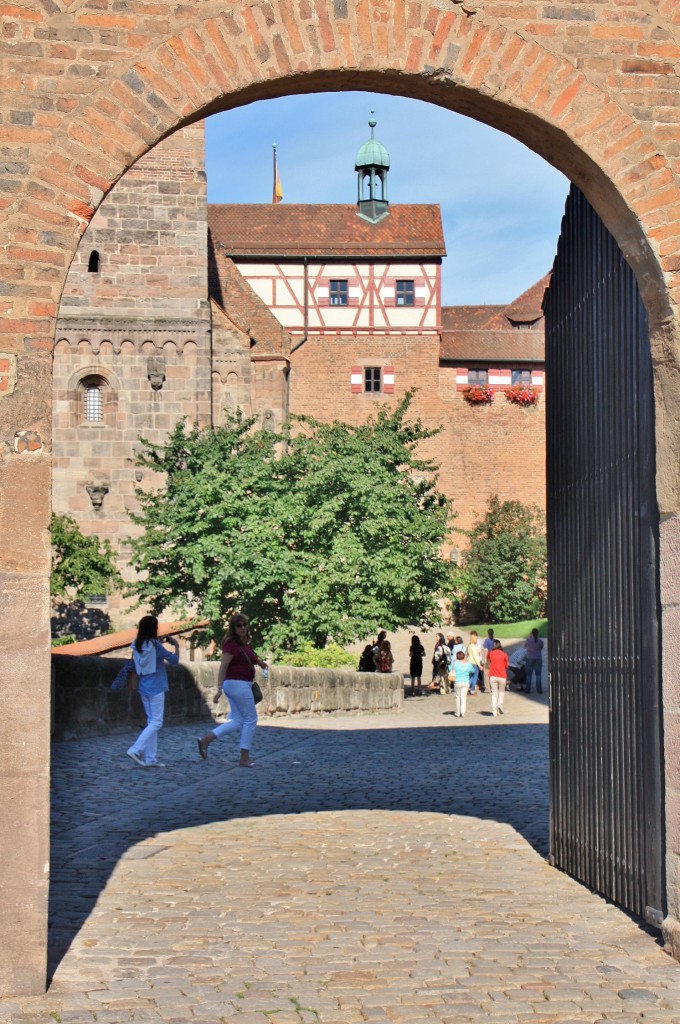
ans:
x=87 y=91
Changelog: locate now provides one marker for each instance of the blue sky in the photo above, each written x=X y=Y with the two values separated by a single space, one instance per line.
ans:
x=501 y=203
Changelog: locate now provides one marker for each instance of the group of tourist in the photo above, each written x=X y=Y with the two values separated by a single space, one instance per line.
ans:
x=377 y=657
x=463 y=668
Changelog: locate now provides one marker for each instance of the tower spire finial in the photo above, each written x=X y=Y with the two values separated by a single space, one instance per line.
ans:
x=372 y=164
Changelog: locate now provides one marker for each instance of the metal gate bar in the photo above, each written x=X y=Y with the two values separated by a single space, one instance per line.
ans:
x=605 y=727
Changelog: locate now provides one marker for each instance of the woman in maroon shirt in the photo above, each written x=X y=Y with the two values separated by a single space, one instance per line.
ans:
x=235 y=680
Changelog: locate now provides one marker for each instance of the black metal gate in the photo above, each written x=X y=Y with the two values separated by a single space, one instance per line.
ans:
x=607 y=824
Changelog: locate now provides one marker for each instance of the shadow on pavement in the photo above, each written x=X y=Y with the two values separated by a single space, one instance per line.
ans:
x=102 y=804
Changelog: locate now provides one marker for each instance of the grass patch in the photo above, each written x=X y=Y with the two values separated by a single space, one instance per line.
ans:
x=513 y=630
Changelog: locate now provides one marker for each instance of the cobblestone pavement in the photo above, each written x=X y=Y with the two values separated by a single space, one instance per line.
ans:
x=386 y=868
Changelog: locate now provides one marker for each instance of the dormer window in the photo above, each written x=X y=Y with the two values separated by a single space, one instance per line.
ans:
x=523 y=325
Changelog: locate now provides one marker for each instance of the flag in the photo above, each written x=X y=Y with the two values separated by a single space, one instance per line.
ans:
x=277 y=193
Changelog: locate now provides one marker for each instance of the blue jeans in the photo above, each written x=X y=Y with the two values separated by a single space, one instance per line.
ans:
x=474 y=676
x=533 y=665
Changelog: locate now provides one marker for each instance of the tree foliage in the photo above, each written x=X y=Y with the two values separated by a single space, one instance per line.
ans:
x=317 y=536
x=80 y=565
x=503 y=572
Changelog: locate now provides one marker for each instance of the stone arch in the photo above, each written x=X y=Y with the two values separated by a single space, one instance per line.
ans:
x=134 y=76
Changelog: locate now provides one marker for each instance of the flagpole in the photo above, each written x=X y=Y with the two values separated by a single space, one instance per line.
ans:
x=274 y=178
x=277 y=192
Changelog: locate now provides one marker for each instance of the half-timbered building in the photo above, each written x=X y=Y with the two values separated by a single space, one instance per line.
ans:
x=176 y=307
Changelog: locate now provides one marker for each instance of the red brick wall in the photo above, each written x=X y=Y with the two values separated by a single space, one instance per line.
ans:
x=482 y=450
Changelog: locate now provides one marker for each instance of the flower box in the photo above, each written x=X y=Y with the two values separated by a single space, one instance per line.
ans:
x=522 y=394
x=478 y=394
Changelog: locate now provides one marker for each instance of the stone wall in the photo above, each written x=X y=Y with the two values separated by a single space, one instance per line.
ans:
x=83 y=703
x=135 y=323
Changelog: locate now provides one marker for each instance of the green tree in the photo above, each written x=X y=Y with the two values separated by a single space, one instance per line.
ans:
x=80 y=565
x=503 y=572
x=319 y=536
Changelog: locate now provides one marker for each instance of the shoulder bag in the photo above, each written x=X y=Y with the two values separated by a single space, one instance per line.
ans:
x=255 y=686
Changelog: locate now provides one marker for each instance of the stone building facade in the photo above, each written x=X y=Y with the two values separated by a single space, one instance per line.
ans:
x=141 y=344
x=174 y=308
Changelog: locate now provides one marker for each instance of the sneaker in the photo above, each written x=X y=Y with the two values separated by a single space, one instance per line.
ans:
x=154 y=764
x=136 y=758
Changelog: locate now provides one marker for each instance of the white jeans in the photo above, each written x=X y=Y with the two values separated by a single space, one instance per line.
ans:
x=146 y=744
x=497 y=693
x=242 y=711
x=461 y=691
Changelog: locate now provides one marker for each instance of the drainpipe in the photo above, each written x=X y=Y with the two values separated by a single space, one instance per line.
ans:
x=305 y=288
x=303 y=339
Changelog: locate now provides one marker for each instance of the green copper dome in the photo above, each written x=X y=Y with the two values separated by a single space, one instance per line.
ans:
x=372 y=153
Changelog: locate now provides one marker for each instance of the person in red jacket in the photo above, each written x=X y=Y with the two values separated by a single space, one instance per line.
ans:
x=498 y=674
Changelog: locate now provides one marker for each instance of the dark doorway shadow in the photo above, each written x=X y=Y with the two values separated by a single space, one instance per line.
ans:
x=102 y=804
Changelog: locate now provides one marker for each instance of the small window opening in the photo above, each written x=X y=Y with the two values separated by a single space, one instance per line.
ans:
x=406 y=295
x=521 y=377
x=94 y=406
x=478 y=376
x=93 y=263
x=339 y=293
x=372 y=378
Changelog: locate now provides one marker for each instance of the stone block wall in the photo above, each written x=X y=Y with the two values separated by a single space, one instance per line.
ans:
x=83 y=703
x=150 y=237
x=138 y=327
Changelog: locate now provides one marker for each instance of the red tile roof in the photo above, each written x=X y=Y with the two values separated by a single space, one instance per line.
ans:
x=469 y=318
x=325 y=230
x=232 y=293
x=490 y=346
x=486 y=333
x=529 y=305
x=123 y=639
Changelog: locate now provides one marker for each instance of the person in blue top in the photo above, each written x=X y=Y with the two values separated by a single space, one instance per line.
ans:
x=460 y=675
x=149 y=658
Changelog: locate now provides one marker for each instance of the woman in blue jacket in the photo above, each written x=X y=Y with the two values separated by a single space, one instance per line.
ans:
x=149 y=657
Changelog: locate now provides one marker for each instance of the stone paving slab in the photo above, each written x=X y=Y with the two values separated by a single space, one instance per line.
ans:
x=386 y=868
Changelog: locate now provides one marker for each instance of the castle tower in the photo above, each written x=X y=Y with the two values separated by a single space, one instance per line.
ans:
x=372 y=164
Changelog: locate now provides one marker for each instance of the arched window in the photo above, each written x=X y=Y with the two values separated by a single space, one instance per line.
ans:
x=93 y=397
x=93 y=262
x=94 y=403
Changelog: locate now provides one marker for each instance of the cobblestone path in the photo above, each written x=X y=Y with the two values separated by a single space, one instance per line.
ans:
x=384 y=868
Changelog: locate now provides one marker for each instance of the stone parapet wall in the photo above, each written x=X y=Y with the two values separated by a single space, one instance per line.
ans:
x=83 y=703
